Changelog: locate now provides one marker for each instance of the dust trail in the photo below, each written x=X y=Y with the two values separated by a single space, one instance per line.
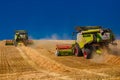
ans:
x=110 y=55
x=99 y=58
x=115 y=49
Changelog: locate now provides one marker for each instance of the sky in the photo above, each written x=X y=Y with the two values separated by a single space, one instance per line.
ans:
x=45 y=19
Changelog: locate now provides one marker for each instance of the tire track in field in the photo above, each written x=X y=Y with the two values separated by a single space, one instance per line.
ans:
x=4 y=64
x=53 y=65
x=59 y=76
x=12 y=62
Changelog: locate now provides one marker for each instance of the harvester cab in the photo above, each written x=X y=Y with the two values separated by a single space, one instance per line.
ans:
x=94 y=35
x=20 y=38
x=90 y=39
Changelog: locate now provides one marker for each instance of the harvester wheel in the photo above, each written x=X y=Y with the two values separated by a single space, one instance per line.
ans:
x=87 y=53
x=77 y=51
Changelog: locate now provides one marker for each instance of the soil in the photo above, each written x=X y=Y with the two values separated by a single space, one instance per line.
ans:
x=38 y=62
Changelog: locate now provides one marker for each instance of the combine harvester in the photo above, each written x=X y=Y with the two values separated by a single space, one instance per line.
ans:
x=89 y=39
x=20 y=38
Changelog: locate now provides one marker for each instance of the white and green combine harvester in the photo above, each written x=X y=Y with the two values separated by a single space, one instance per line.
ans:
x=20 y=37
x=89 y=39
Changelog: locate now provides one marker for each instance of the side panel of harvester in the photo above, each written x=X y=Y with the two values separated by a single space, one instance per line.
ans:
x=84 y=39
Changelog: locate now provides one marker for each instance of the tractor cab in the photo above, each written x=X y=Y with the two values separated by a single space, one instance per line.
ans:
x=21 y=34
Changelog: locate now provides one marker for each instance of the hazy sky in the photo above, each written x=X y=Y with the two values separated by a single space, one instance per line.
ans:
x=56 y=18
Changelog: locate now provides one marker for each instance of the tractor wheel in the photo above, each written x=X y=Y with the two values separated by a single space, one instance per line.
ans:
x=77 y=51
x=57 y=53
x=87 y=53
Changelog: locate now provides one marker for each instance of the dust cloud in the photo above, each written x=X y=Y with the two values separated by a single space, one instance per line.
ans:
x=110 y=54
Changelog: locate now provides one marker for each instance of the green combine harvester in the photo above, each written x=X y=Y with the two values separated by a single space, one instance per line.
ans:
x=89 y=39
x=20 y=37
